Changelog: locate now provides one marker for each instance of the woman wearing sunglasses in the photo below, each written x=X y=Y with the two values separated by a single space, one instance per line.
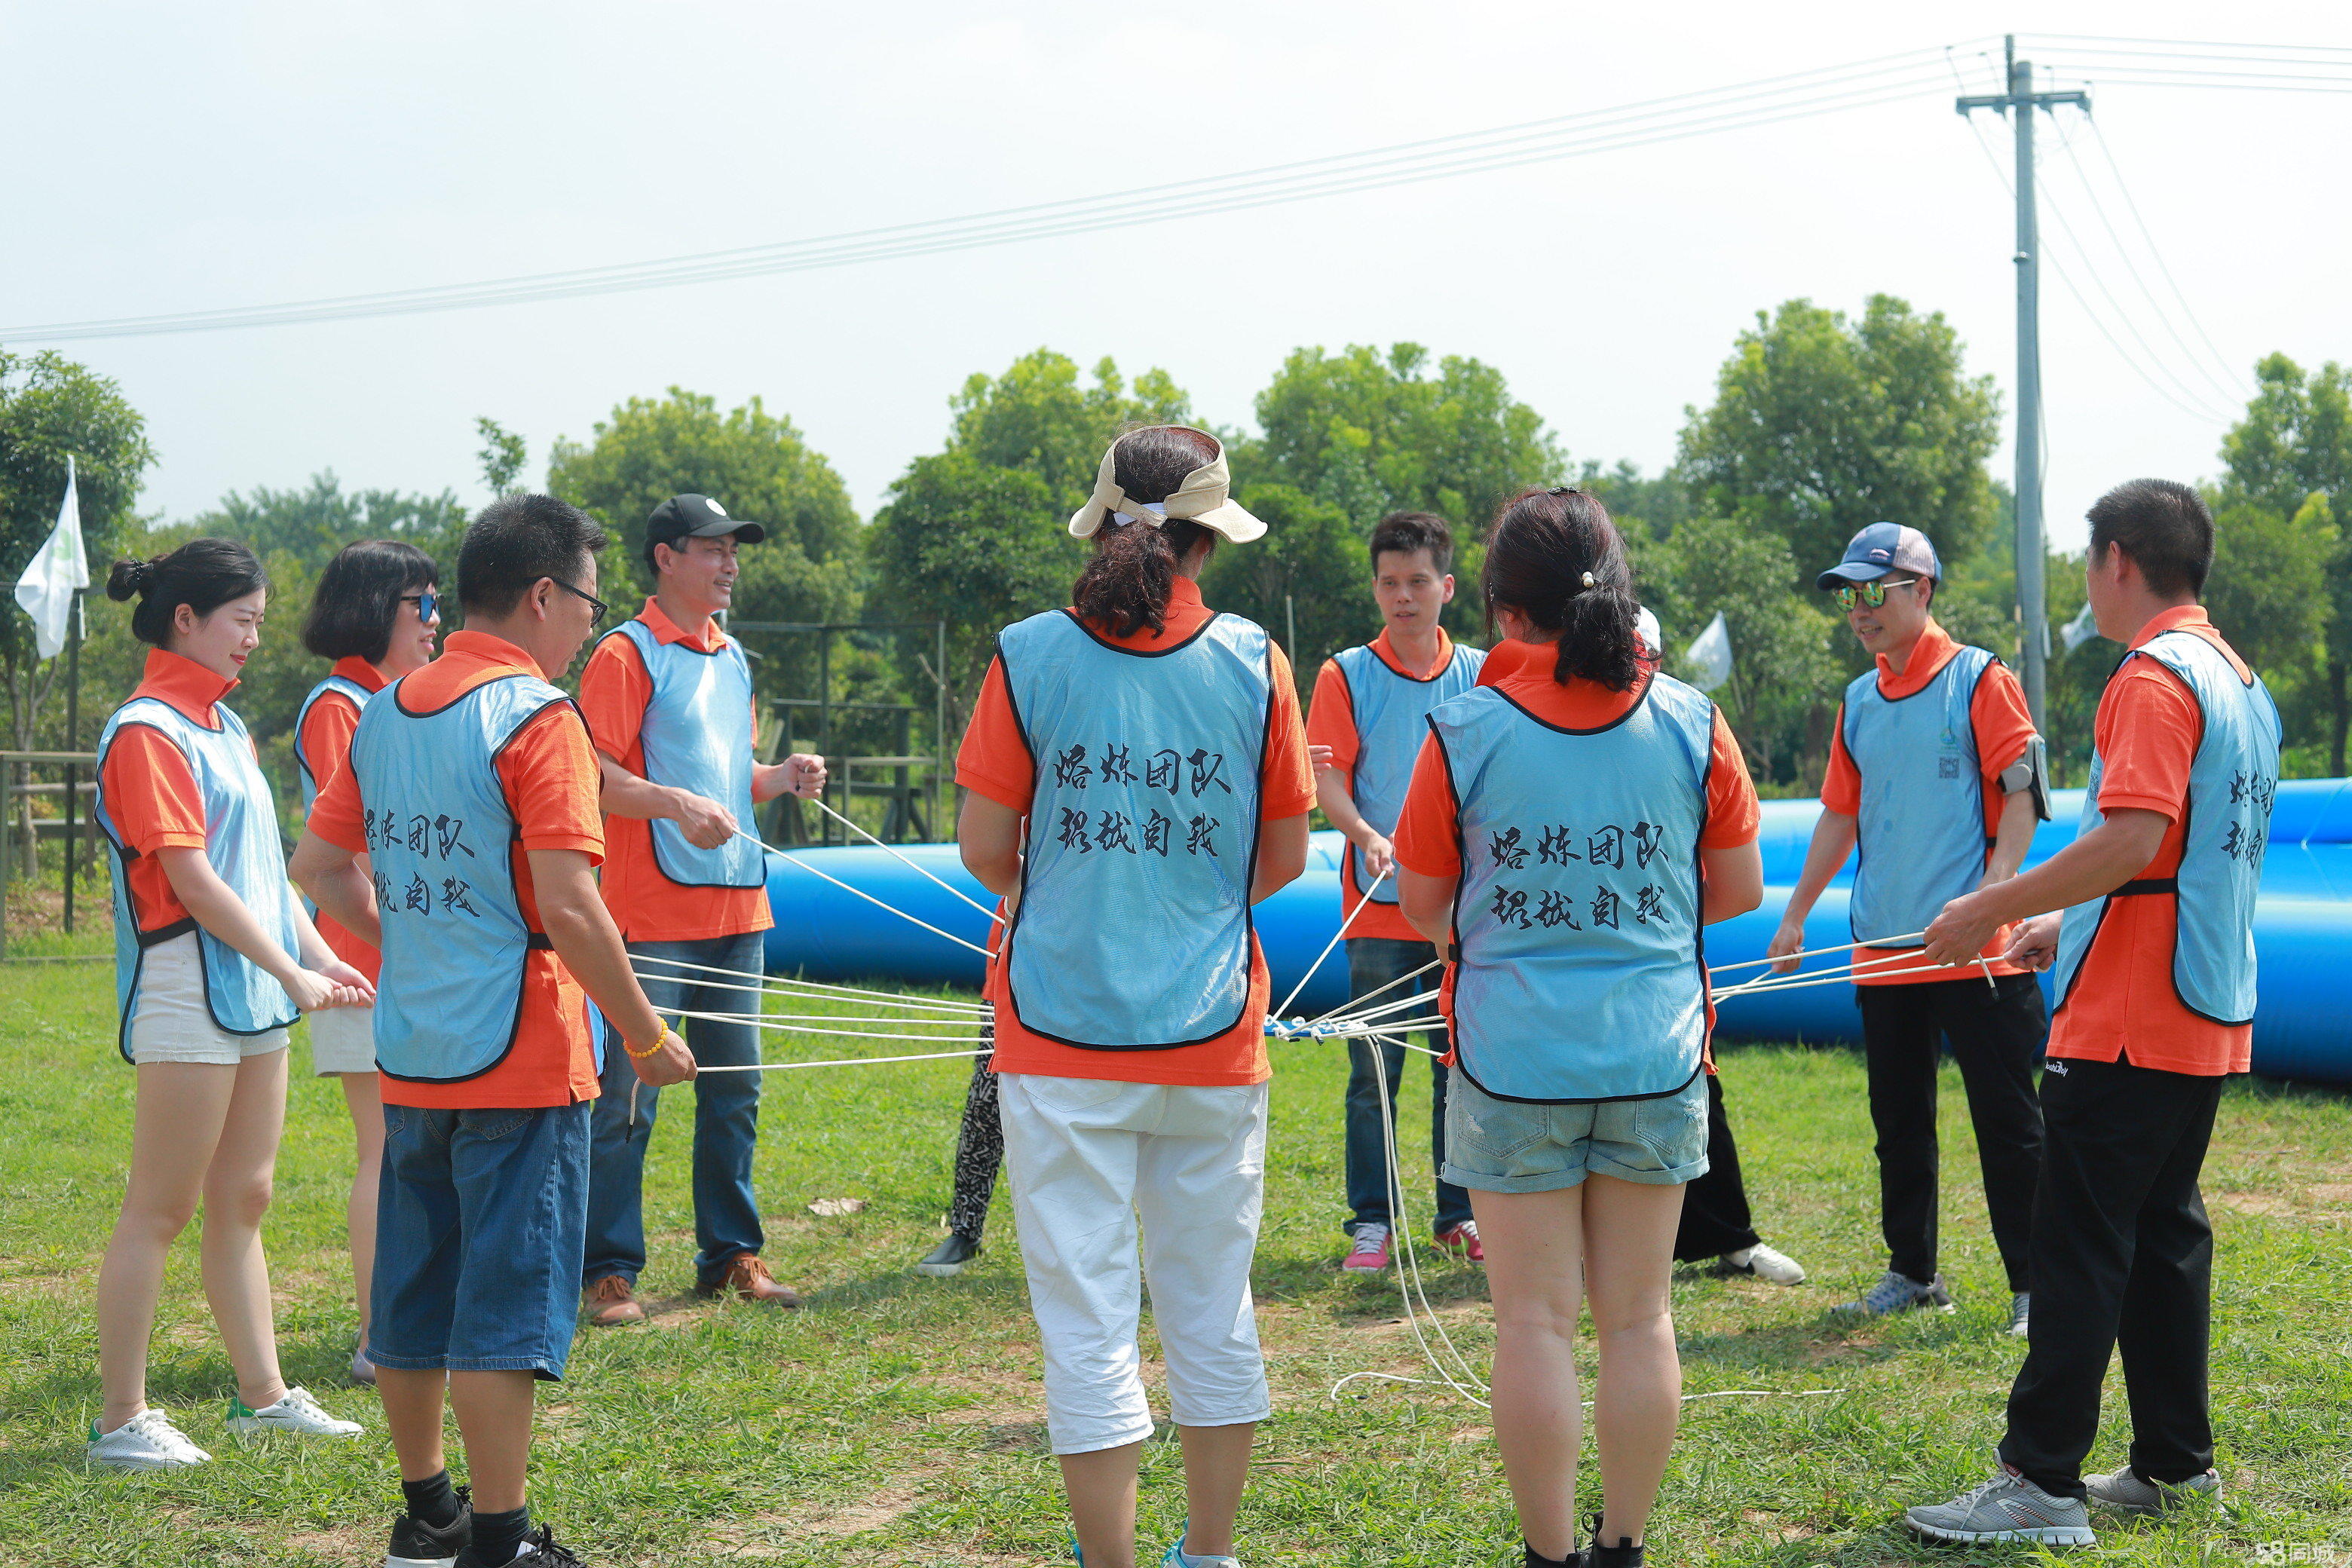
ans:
x=376 y=614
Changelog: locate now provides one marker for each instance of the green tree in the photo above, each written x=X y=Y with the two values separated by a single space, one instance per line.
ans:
x=2294 y=448
x=1821 y=425
x=1036 y=417
x=1306 y=582
x=503 y=456
x=52 y=409
x=1784 y=667
x=1373 y=433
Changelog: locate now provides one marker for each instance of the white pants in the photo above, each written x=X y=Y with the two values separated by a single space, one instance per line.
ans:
x=173 y=1022
x=1084 y=1156
x=342 y=1040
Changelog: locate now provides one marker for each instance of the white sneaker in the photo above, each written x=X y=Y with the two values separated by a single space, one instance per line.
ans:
x=148 y=1441
x=296 y=1412
x=1761 y=1260
x=2021 y=1315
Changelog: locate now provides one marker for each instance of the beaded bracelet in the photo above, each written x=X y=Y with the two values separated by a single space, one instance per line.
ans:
x=654 y=1049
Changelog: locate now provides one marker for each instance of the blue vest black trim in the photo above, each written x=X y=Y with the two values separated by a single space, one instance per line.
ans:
x=1579 y=973
x=1920 y=835
x=1133 y=931
x=342 y=686
x=441 y=840
x=2225 y=832
x=1390 y=708
x=242 y=843
x=697 y=736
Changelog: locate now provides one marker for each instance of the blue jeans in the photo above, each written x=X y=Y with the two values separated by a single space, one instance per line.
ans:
x=479 y=1217
x=726 y=1117
x=1373 y=961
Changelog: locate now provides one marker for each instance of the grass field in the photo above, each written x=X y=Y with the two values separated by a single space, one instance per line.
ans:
x=897 y=1420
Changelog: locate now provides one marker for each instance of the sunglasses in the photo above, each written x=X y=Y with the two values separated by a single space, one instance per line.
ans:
x=428 y=603
x=1873 y=594
x=599 y=608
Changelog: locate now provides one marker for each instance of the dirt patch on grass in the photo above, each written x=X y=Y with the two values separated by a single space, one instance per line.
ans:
x=2265 y=1206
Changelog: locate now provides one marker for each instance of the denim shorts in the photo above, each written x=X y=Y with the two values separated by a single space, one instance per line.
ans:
x=1508 y=1146
x=481 y=1217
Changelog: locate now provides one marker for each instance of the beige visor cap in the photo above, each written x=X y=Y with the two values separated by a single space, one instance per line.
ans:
x=1203 y=498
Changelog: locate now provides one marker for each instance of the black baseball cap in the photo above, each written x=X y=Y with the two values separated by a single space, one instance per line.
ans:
x=695 y=517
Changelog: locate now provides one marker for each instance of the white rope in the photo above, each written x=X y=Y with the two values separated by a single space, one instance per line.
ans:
x=869 y=898
x=1816 y=952
x=1350 y=1002
x=845 y=1062
x=762 y=1021
x=1328 y=946
x=1758 y=988
x=820 y=803
x=960 y=1016
x=814 y=985
x=1418 y=999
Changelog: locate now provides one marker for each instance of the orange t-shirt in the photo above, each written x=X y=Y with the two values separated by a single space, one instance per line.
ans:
x=1428 y=840
x=1331 y=722
x=614 y=690
x=151 y=793
x=2004 y=725
x=323 y=745
x=547 y=775
x=2124 y=1002
x=995 y=761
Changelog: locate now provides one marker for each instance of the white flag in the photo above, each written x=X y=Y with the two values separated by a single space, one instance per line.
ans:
x=58 y=569
x=1709 y=655
x=2080 y=629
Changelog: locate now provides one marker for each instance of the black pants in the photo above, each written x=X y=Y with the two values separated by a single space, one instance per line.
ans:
x=2122 y=1254
x=1997 y=1034
x=1714 y=1207
x=980 y=1148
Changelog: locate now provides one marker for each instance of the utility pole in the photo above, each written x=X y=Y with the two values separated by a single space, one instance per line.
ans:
x=2033 y=619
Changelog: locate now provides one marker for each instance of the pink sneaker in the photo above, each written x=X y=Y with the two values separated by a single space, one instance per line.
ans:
x=1369 y=1254
x=1462 y=1240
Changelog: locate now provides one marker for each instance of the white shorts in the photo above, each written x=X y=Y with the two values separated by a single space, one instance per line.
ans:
x=1084 y=1155
x=173 y=1025
x=342 y=1040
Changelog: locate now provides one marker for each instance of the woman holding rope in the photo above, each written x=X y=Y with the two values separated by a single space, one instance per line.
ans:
x=376 y=614
x=1571 y=823
x=1153 y=749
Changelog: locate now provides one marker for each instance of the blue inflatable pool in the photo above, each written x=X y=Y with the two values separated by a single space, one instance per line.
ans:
x=2303 y=928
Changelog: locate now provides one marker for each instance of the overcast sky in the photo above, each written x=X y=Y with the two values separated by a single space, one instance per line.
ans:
x=173 y=157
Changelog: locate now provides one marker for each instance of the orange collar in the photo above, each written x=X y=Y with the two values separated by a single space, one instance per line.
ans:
x=188 y=687
x=2180 y=618
x=665 y=630
x=360 y=672
x=484 y=648
x=1933 y=650
x=1385 y=651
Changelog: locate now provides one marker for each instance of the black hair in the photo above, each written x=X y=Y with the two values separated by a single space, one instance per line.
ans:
x=517 y=540
x=1126 y=587
x=2164 y=527
x=1406 y=531
x=203 y=573
x=1555 y=557
x=358 y=598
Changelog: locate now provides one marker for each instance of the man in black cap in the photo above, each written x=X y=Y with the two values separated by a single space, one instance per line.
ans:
x=668 y=699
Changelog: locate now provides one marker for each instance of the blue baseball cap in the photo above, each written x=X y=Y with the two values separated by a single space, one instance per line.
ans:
x=1880 y=548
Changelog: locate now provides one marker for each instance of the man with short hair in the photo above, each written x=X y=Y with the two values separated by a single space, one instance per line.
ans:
x=1935 y=773
x=1366 y=724
x=2155 y=972
x=668 y=699
x=472 y=791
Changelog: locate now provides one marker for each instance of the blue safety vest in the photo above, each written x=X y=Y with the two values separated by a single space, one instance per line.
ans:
x=2232 y=781
x=240 y=840
x=697 y=736
x=1391 y=712
x=1921 y=833
x=440 y=837
x=304 y=768
x=1133 y=931
x=1579 y=971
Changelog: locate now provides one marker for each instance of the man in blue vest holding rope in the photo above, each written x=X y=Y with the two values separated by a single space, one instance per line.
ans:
x=1365 y=727
x=1935 y=774
x=668 y=699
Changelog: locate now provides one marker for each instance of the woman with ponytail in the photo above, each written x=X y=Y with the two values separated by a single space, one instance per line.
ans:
x=214 y=958
x=1573 y=821
x=1138 y=778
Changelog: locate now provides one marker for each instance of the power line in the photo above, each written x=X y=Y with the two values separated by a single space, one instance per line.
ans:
x=2155 y=250
x=1746 y=106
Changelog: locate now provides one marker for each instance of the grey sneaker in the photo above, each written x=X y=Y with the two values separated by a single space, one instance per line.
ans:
x=2020 y=1308
x=2126 y=1493
x=1901 y=1293
x=2006 y=1508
